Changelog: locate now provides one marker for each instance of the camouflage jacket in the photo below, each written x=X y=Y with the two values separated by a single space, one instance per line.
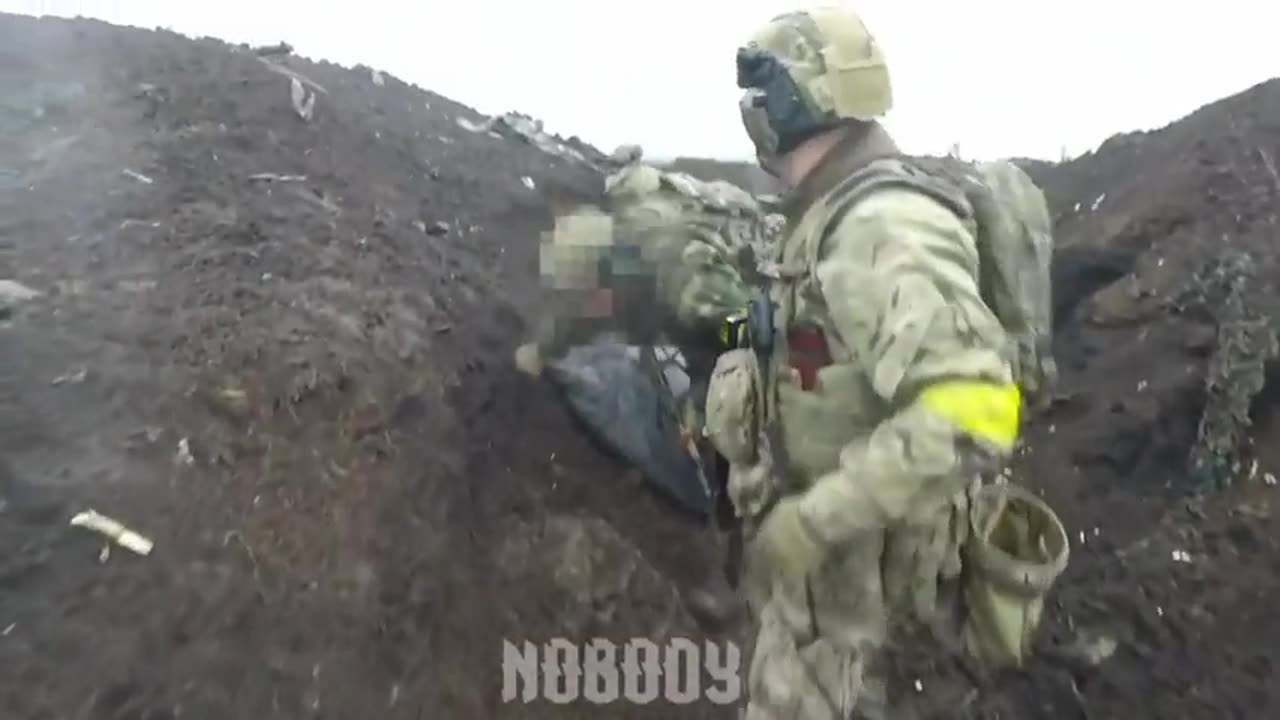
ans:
x=891 y=380
x=667 y=250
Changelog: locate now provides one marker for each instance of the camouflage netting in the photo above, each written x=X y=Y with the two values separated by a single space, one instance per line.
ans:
x=1236 y=374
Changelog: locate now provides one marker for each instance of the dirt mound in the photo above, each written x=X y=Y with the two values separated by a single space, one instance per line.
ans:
x=279 y=347
x=1172 y=589
x=277 y=304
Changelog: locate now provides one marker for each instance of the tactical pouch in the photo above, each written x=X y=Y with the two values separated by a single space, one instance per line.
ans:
x=733 y=417
x=731 y=410
x=1017 y=548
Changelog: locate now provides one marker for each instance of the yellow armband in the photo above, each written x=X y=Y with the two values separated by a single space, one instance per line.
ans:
x=986 y=410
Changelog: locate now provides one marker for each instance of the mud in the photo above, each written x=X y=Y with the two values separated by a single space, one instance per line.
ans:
x=280 y=348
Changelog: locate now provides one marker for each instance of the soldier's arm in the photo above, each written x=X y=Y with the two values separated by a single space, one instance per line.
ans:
x=899 y=276
x=698 y=280
x=663 y=276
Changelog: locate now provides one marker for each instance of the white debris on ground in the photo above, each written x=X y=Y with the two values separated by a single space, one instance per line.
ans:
x=71 y=378
x=113 y=529
x=1094 y=648
x=12 y=292
x=137 y=176
x=274 y=177
x=304 y=101
x=184 y=456
x=293 y=75
x=722 y=194
x=517 y=125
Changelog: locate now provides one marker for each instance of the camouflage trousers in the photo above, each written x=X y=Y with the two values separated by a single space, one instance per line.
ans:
x=817 y=646
x=814 y=645
x=817 y=681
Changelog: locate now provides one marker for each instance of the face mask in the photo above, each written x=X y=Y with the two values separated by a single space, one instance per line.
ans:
x=756 y=121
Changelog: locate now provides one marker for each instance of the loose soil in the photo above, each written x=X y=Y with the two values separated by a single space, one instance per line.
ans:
x=280 y=348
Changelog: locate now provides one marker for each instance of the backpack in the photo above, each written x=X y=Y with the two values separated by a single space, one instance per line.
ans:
x=1014 y=237
x=724 y=215
x=1015 y=254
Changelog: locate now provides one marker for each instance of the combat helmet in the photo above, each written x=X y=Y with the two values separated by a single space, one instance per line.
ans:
x=806 y=72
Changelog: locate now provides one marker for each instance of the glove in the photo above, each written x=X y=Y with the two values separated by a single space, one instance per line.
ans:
x=918 y=555
x=913 y=561
x=528 y=359
x=1017 y=549
x=784 y=550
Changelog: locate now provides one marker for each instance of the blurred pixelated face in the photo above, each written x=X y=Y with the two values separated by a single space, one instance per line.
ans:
x=570 y=255
x=598 y=303
x=574 y=261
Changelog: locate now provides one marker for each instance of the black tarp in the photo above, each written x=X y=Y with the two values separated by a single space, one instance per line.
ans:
x=628 y=400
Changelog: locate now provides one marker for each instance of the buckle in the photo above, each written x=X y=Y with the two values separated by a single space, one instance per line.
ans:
x=733 y=331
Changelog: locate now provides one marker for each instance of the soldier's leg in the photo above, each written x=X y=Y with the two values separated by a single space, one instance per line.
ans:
x=815 y=681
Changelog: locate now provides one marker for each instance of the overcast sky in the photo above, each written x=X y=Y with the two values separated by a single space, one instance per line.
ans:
x=998 y=77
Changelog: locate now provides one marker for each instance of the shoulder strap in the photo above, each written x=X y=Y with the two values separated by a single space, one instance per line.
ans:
x=902 y=171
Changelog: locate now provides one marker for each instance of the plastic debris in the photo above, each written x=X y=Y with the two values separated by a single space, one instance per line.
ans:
x=74 y=378
x=184 y=455
x=304 y=102
x=294 y=74
x=273 y=177
x=115 y=530
x=137 y=176
x=522 y=127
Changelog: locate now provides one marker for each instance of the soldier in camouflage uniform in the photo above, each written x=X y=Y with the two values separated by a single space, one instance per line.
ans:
x=906 y=320
x=707 y=232
x=857 y=432
x=697 y=237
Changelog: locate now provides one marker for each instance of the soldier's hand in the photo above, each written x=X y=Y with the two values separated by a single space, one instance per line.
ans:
x=784 y=549
x=529 y=360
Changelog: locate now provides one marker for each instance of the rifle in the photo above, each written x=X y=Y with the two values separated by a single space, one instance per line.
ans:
x=725 y=518
x=713 y=468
